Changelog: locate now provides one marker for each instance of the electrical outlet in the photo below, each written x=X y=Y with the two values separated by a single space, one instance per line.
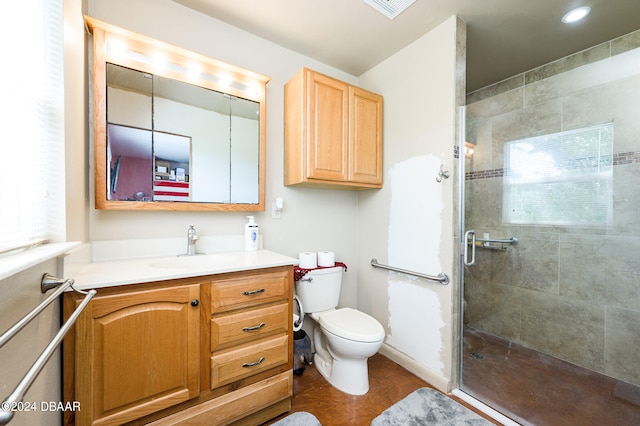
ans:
x=275 y=212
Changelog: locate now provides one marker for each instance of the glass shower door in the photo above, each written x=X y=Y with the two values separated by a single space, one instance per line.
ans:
x=551 y=285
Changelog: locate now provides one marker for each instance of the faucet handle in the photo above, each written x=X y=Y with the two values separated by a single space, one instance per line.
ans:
x=191 y=234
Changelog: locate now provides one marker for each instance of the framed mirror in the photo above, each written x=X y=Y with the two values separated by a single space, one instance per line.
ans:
x=185 y=135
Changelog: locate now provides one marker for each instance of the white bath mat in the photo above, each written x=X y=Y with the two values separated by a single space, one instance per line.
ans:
x=428 y=407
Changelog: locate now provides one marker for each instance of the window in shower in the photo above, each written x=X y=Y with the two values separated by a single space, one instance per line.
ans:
x=560 y=179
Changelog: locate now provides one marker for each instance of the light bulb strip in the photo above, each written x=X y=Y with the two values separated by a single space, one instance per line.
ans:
x=126 y=48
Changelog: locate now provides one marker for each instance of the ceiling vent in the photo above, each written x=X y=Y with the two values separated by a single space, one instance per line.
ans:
x=390 y=8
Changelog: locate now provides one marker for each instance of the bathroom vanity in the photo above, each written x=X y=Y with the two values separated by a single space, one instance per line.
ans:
x=195 y=340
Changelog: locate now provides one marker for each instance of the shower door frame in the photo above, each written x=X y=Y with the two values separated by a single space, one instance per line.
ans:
x=461 y=236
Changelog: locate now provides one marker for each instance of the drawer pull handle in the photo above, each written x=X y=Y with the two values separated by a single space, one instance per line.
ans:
x=253 y=364
x=252 y=292
x=255 y=327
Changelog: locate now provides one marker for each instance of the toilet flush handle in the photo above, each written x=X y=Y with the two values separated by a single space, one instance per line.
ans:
x=306 y=279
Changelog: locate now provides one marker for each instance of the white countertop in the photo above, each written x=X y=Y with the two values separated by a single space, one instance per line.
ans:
x=109 y=273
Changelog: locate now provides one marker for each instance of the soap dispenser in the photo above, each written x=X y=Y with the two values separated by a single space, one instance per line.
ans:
x=251 y=234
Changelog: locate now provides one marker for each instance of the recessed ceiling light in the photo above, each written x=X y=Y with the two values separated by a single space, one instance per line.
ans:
x=576 y=14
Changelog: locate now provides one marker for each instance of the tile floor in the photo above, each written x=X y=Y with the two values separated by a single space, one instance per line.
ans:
x=541 y=390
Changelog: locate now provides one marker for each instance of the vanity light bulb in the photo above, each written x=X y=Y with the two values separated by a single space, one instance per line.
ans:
x=252 y=90
x=225 y=80
x=194 y=70
x=159 y=60
x=116 y=48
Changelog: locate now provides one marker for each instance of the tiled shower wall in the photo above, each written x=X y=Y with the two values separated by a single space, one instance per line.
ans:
x=567 y=291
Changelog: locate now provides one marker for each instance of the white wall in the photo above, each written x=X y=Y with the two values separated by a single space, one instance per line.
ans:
x=410 y=223
x=76 y=126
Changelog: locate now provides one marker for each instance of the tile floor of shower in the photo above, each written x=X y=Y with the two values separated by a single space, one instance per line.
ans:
x=536 y=389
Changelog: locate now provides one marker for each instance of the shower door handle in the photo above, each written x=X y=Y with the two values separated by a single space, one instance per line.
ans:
x=470 y=234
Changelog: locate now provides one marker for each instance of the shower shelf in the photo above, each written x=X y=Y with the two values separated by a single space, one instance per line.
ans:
x=486 y=246
x=470 y=240
x=485 y=243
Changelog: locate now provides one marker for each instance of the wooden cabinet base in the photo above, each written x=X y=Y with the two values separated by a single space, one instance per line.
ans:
x=252 y=404
x=263 y=416
x=212 y=350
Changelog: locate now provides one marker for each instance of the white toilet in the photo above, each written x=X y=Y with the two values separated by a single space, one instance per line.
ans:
x=345 y=338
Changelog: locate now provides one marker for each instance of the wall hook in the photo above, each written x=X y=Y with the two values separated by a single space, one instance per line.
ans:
x=442 y=174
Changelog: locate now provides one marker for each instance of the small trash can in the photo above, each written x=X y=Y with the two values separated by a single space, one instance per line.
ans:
x=301 y=351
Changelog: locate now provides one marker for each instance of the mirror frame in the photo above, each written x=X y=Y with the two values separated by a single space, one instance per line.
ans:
x=144 y=47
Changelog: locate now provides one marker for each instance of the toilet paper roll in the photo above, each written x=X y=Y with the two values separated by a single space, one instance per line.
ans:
x=326 y=258
x=307 y=260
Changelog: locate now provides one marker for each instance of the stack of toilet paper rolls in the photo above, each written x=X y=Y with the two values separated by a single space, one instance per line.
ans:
x=311 y=260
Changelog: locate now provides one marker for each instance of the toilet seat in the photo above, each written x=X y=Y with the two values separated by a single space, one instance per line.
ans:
x=351 y=324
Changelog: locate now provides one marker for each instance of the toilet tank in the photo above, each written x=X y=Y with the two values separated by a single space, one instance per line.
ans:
x=319 y=289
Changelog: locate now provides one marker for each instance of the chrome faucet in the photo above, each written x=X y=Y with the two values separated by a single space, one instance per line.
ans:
x=191 y=240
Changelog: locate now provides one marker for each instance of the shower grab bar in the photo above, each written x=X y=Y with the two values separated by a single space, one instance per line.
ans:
x=10 y=405
x=442 y=278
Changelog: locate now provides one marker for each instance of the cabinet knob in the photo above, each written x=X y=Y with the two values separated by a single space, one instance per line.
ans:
x=195 y=302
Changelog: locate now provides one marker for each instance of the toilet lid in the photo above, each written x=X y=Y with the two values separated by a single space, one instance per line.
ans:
x=353 y=325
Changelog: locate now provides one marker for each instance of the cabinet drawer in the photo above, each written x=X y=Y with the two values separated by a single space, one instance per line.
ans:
x=235 y=405
x=248 y=289
x=242 y=327
x=236 y=364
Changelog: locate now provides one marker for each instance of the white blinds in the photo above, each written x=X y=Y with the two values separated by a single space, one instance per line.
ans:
x=32 y=131
x=560 y=179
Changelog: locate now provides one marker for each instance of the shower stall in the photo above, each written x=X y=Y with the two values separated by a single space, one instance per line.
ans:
x=551 y=267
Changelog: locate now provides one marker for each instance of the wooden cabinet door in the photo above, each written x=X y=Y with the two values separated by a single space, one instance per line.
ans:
x=365 y=136
x=327 y=127
x=333 y=133
x=144 y=353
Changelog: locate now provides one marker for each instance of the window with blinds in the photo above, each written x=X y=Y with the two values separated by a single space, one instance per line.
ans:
x=560 y=179
x=32 y=105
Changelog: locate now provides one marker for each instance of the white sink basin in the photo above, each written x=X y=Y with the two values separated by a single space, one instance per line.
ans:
x=198 y=261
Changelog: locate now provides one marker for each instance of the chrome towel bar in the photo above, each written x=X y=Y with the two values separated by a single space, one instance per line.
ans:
x=442 y=278
x=46 y=280
x=8 y=407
